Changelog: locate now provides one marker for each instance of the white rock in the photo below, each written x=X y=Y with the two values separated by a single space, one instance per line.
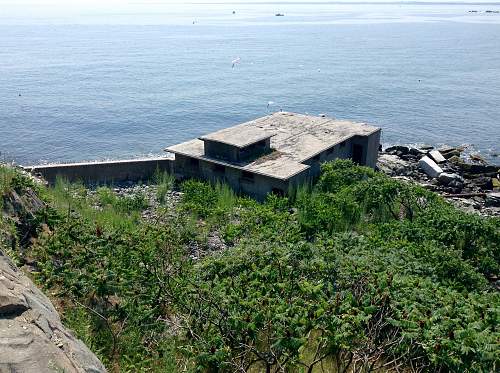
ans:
x=437 y=156
x=430 y=167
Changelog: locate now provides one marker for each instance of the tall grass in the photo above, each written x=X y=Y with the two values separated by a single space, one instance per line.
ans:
x=226 y=198
x=106 y=209
x=7 y=175
x=164 y=182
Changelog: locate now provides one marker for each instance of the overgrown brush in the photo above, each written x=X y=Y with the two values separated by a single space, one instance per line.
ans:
x=359 y=272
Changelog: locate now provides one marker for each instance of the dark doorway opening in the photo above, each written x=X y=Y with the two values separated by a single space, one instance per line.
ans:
x=357 y=153
x=279 y=192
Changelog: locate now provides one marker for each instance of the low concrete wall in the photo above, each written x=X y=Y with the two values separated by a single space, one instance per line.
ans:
x=104 y=172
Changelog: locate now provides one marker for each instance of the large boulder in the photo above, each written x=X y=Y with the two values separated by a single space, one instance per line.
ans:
x=398 y=150
x=448 y=151
x=32 y=337
x=392 y=165
x=493 y=200
x=430 y=167
x=446 y=178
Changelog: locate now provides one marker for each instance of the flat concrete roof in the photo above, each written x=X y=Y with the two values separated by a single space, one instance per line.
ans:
x=239 y=136
x=296 y=138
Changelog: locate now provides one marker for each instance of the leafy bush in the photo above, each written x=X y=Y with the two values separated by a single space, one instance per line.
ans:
x=359 y=272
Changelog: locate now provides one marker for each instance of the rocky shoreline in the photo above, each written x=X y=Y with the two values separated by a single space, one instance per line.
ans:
x=471 y=185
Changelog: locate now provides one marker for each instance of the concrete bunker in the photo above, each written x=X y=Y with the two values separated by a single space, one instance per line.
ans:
x=275 y=153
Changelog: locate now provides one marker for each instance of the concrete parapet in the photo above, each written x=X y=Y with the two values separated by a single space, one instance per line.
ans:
x=106 y=172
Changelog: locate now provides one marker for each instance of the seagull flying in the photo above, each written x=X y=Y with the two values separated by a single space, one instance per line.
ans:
x=236 y=61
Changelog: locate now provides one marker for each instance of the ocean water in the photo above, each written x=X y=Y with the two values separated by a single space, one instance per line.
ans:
x=127 y=84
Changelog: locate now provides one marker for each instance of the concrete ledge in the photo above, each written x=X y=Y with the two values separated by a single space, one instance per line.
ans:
x=103 y=172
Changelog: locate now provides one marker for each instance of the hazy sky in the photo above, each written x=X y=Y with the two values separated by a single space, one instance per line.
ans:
x=15 y=9
x=90 y=4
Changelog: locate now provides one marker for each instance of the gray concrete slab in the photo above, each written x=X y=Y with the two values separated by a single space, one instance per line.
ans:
x=296 y=138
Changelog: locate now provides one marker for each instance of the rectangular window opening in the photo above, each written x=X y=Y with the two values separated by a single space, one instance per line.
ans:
x=247 y=176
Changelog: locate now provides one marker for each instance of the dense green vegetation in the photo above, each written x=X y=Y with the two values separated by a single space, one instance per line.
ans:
x=359 y=272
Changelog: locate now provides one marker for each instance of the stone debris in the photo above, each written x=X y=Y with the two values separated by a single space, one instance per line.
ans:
x=475 y=184
x=430 y=167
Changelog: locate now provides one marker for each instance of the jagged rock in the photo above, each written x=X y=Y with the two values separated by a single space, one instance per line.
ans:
x=416 y=152
x=398 y=149
x=426 y=147
x=456 y=186
x=448 y=151
x=392 y=165
x=477 y=158
x=446 y=178
x=445 y=149
x=484 y=169
x=437 y=156
x=493 y=200
x=472 y=168
x=32 y=337
x=483 y=182
x=430 y=167
x=453 y=153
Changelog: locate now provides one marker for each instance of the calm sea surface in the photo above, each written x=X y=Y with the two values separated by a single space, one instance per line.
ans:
x=124 y=85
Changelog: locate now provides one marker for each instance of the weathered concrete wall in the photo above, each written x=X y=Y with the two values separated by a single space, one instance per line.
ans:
x=104 y=172
x=220 y=150
x=339 y=151
x=258 y=187
x=372 y=149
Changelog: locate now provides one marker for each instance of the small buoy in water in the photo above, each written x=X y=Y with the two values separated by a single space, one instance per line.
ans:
x=234 y=11
x=19 y=95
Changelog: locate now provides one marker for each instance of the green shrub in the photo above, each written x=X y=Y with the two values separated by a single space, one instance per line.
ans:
x=359 y=272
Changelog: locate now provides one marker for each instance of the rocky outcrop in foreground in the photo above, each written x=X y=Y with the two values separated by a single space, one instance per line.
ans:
x=32 y=337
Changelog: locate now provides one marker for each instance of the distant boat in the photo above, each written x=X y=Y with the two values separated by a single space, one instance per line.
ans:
x=280 y=14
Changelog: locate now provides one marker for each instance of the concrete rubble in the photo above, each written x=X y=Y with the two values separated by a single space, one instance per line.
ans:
x=430 y=167
x=471 y=185
x=437 y=156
